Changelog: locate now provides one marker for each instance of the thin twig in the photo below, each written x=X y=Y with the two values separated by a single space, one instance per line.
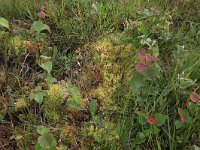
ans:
x=23 y=64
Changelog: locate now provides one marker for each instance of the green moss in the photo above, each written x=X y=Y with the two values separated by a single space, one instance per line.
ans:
x=98 y=134
x=114 y=67
x=52 y=115
x=21 y=103
x=19 y=45
x=69 y=135
x=54 y=101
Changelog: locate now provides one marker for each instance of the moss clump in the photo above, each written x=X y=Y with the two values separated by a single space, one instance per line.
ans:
x=19 y=45
x=112 y=57
x=98 y=133
x=21 y=103
x=69 y=135
x=54 y=101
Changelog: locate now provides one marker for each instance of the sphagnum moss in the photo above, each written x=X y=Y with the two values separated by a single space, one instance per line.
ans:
x=109 y=56
x=69 y=134
x=21 y=103
x=98 y=133
x=54 y=101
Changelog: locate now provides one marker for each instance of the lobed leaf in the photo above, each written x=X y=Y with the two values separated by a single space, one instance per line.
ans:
x=47 y=141
x=47 y=66
x=38 y=27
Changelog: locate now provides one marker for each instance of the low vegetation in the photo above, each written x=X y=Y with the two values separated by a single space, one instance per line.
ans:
x=80 y=74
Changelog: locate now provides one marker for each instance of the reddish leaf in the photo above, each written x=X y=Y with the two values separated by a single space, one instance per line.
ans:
x=141 y=67
x=182 y=115
x=143 y=62
x=194 y=97
x=142 y=57
x=41 y=15
x=151 y=58
x=152 y=120
x=141 y=54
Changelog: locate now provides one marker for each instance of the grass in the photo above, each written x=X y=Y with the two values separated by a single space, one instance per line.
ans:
x=108 y=75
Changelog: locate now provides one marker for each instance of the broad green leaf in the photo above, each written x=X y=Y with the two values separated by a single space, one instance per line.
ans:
x=47 y=141
x=142 y=119
x=137 y=81
x=39 y=147
x=40 y=37
x=75 y=94
x=4 y=22
x=150 y=90
x=38 y=27
x=74 y=104
x=42 y=130
x=39 y=97
x=161 y=119
x=141 y=135
x=189 y=119
x=93 y=107
x=151 y=72
x=192 y=107
x=47 y=66
x=50 y=79
x=140 y=138
x=179 y=124
x=184 y=116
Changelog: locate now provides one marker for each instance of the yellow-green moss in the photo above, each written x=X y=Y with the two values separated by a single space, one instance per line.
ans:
x=21 y=103
x=54 y=101
x=112 y=60
x=69 y=135
x=18 y=45
x=52 y=115
x=98 y=134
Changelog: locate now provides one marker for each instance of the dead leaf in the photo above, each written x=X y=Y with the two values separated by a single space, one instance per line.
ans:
x=194 y=97
x=152 y=120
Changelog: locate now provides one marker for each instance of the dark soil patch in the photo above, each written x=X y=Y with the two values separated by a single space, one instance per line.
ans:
x=6 y=140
